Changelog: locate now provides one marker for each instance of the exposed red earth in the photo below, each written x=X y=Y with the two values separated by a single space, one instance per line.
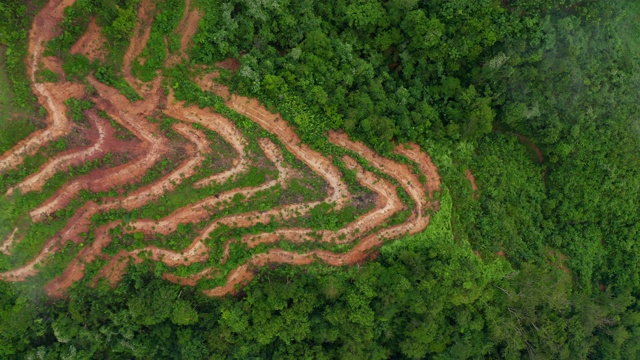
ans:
x=472 y=180
x=91 y=43
x=50 y=95
x=150 y=146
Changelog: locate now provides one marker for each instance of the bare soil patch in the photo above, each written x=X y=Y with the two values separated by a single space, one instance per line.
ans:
x=532 y=146
x=472 y=180
x=366 y=233
x=91 y=43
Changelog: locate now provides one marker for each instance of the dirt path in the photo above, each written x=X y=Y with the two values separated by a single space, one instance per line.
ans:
x=387 y=204
x=188 y=26
x=418 y=222
x=221 y=125
x=122 y=174
x=8 y=243
x=198 y=251
x=91 y=43
x=81 y=221
x=427 y=167
x=36 y=181
x=154 y=146
x=50 y=95
x=187 y=29
x=139 y=40
x=472 y=180
x=407 y=179
x=366 y=232
x=277 y=126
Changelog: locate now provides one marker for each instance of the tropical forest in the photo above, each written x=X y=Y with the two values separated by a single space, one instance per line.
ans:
x=305 y=179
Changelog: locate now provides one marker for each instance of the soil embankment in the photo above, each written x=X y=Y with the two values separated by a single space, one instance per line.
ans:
x=366 y=233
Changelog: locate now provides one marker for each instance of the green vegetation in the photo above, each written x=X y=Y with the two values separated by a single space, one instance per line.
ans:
x=46 y=75
x=77 y=107
x=117 y=20
x=166 y=20
x=540 y=262
x=18 y=116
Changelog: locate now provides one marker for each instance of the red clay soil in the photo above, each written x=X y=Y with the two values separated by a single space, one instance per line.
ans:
x=218 y=123
x=359 y=252
x=198 y=251
x=139 y=40
x=472 y=180
x=131 y=116
x=277 y=126
x=368 y=232
x=80 y=222
x=427 y=167
x=91 y=43
x=407 y=179
x=387 y=204
x=75 y=271
x=68 y=158
x=187 y=28
x=50 y=95
x=231 y=64
x=54 y=64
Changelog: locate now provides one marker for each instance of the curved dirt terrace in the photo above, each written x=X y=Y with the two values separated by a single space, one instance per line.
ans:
x=36 y=181
x=202 y=209
x=44 y=28
x=122 y=174
x=408 y=180
x=367 y=232
x=138 y=42
x=52 y=97
x=427 y=167
x=91 y=43
x=221 y=125
x=187 y=29
x=81 y=221
x=274 y=124
x=188 y=26
x=153 y=147
x=532 y=146
x=387 y=204
x=5 y=248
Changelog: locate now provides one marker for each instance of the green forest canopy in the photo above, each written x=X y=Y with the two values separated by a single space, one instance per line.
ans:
x=460 y=78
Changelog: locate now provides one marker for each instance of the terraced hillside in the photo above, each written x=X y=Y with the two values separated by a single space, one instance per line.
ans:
x=210 y=190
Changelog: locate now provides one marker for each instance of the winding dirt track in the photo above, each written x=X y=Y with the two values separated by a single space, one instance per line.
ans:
x=91 y=43
x=186 y=29
x=387 y=204
x=36 y=181
x=472 y=180
x=367 y=232
x=5 y=248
